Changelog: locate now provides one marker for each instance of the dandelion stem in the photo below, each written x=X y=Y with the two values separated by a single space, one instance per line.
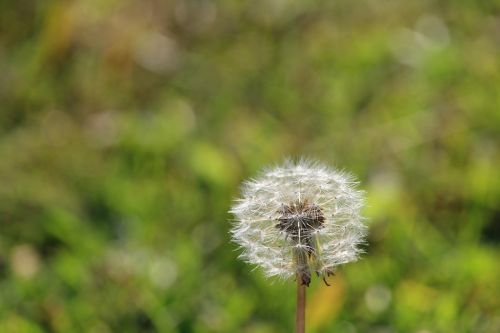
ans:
x=300 y=319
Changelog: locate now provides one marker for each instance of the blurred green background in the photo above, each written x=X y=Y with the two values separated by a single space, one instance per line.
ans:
x=127 y=126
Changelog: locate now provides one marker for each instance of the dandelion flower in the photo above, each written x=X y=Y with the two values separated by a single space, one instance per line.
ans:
x=299 y=218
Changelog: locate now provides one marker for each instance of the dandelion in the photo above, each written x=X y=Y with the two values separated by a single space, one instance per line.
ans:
x=298 y=219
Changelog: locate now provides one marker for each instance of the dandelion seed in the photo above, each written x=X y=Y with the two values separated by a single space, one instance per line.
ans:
x=298 y=218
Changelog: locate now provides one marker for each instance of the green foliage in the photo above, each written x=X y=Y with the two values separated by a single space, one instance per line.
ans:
x=127 y=126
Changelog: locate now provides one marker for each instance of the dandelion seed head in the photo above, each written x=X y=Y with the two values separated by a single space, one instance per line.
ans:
x=299 y=217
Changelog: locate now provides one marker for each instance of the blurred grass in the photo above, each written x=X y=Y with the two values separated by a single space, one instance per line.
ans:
x=127 y=126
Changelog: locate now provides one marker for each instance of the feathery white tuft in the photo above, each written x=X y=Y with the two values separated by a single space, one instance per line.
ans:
x=269 y=215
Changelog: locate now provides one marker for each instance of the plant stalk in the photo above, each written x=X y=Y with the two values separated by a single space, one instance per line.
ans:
x=300 y=318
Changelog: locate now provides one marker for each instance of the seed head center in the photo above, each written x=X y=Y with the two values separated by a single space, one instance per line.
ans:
x=300 y=219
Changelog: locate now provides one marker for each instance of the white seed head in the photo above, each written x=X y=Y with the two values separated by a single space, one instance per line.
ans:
x=297 y=218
